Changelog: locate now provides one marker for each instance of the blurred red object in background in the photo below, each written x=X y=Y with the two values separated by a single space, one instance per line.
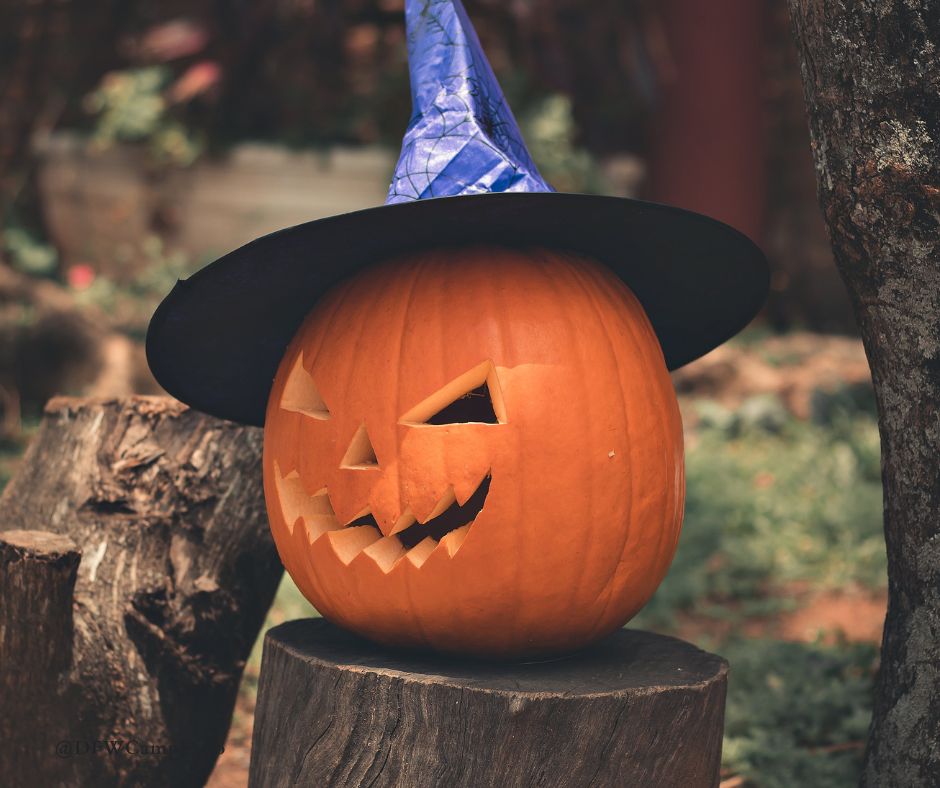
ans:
x=174 y=39
x=707 y=135
x=80 y=276
x=198 y=78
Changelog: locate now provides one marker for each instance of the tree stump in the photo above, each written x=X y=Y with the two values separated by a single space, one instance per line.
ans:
x=119 y=663
x=335 y=710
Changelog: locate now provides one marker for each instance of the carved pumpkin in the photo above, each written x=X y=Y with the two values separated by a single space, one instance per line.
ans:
x=476 y=450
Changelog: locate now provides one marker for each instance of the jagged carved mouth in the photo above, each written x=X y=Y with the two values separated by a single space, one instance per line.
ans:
x=453 y=517
x=446 y=526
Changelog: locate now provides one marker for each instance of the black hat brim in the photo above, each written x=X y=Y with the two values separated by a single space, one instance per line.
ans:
x=216 y=341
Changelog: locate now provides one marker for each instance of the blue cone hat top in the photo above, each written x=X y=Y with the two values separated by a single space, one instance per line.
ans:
x=464 y=177
x=462 y=138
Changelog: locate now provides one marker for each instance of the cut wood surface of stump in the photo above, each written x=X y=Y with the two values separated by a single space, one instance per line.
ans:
x=136 y=568
x=638 y=709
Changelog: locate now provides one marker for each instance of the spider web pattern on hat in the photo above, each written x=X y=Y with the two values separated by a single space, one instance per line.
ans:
x=462 y=138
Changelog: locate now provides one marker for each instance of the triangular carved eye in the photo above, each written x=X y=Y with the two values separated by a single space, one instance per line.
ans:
x=360 y=454
x=301 y=394
x=474 y=406
x=472 y=398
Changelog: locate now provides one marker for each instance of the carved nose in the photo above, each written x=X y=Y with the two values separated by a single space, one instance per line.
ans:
x=360 y=455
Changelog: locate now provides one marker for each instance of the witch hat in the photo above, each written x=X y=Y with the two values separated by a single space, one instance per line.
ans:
x=464 y=177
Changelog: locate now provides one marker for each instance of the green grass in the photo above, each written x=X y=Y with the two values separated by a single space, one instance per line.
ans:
x=772 y=502
x=797 y=713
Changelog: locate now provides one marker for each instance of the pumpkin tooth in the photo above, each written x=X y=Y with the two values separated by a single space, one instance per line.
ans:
x=447 y=500
x=421 y=551
x=296 y=502
x=319 y=524
x=406 y=520
x=347 y=543
x=385 y=552
x=466 y=492
x=363 y=513
x=451 y=542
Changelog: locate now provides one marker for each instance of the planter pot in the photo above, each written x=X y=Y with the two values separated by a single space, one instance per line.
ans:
x=100 y=206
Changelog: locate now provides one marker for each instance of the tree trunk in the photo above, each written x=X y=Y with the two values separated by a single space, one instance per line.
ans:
x=871 y=76
x=120 y=666
x=638 y=709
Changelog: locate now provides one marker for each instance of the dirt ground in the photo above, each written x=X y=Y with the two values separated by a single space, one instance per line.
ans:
x=796 y=367
x=231 y=770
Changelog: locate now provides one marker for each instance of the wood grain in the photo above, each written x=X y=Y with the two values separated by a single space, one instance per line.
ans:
x=333 y=710
x=130 y=616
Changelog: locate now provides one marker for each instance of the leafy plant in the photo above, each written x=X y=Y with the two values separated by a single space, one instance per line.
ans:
x=130 y=305
x=797 y=714
x=27 y=254
x=773 y=501
x=131 y=106
x=550 y=132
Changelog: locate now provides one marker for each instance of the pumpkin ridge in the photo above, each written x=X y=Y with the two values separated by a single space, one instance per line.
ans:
x=504 y=338
x=589 y=288
x=669 y=424
x=416 y=267
x=563 y=262
x=665 y=419
x=622 y=298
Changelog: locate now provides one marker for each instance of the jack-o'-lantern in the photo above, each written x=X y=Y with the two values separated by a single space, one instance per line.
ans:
x=471 y=441
x=476 y=450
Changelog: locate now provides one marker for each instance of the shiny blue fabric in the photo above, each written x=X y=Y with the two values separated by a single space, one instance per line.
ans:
x=462 y=138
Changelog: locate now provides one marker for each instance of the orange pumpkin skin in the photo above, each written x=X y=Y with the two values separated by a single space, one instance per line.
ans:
x=585 y=468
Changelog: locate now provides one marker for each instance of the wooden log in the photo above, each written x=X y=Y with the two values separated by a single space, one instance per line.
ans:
x=334 y=710
x=123 y=669
x=37 y=578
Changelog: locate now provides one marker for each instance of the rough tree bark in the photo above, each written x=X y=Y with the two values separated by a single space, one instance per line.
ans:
x=120 y=658
x=638 y=709
x=871 y=74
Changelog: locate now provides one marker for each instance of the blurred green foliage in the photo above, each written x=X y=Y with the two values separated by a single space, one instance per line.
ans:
x=130 y=106
x=772 y=501
x=551 y=135
x=129 y=305
x=797 y=713
x=27 y=254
